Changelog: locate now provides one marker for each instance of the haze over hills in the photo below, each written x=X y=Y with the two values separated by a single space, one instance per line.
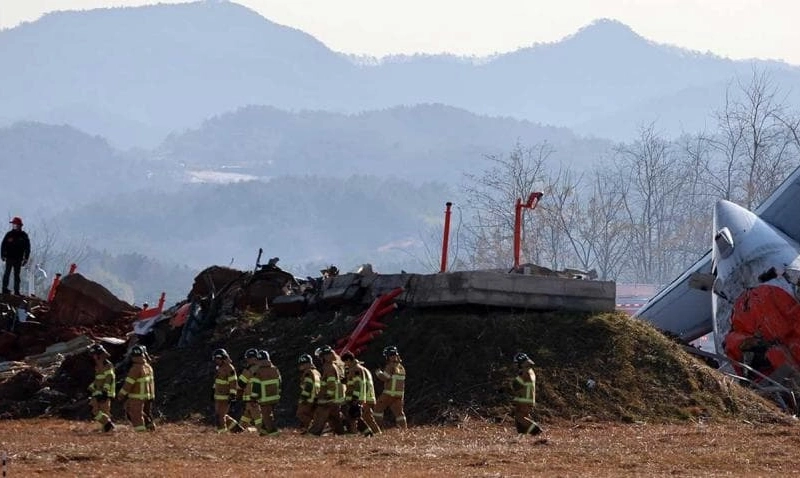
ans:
x=422 y=143
x=135 y=74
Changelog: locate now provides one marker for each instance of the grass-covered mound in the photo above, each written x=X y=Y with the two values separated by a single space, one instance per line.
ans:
x=606 y=367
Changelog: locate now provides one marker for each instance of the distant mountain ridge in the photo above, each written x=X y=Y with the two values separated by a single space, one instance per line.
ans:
x=168 y=67
x=415 y=143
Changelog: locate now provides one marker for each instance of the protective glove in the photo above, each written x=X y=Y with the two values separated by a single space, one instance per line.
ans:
x=102 y=397
x=24 y=262
x=232 y=398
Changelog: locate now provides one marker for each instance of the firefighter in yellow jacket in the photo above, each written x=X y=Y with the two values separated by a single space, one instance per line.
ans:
x=138 y=388
x=225 y=391
x=332 y=393
x=309 y=390
x=266 y=390
x=524 y=386
x=103 y=387
x=149 y=417
x=360 y=391
x=252 y=413
x=393 y=377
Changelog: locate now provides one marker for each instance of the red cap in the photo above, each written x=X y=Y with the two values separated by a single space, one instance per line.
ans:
x=16 y=220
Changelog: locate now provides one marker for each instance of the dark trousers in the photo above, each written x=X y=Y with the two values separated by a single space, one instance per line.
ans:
x=15 y=264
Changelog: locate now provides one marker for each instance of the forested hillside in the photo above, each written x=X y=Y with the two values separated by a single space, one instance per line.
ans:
x=423 y=143
x=306 y=221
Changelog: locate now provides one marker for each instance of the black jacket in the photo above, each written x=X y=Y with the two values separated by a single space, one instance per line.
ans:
x=16 y=246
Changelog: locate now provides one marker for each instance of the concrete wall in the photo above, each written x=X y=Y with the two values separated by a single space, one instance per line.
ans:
x=496 y=289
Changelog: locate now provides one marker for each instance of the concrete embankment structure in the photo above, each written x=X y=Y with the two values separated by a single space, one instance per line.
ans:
x=489 y=288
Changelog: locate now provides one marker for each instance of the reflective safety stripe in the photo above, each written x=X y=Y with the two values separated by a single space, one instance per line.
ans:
x=270 y=398
x=309 y=388
x=393 y=391
x=139 y=396
x=357 y=388
x=221 y=397
x=337 y=394
x=220 y=381
x=528 y=388
x=370 y=395
x=140 y=428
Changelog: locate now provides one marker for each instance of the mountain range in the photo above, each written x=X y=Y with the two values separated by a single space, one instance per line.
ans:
x=133 y=75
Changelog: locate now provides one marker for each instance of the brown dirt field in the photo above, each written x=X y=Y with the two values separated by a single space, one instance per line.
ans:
x=53 y=447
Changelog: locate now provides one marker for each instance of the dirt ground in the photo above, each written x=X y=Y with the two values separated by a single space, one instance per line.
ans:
x=54 y=447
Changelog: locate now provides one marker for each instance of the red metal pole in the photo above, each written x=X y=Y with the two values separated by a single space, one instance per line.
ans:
x=446 y=236
x=161 y=301
x=52 y=293
x=517 y=233
x=533 y=201
x=72 y=268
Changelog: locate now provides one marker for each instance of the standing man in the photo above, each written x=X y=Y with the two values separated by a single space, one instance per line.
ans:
x=225 y=391
x=524 y=386
x=103 y=388
x=149 y=416
x=251 y=413
x=138 y=388
x=310 y=380
x=393 y=377
x=359 y=391
x=331 y=394
x=15 y=251
x=266 y=391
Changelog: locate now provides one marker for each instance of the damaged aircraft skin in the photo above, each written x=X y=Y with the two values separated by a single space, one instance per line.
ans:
x=754 y=294
x=746 y=288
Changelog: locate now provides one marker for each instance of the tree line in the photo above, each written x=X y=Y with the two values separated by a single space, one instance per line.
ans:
x=642 y=213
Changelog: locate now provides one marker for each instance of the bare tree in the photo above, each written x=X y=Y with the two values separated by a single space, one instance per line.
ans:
x=51 y=253
x=652 y=170
x=568 y=240
x=692 y=212
x=488 y=235
x=607 y=225
x=754 y=141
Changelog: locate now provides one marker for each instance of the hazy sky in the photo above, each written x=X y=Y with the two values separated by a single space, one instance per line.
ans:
x=733 y=28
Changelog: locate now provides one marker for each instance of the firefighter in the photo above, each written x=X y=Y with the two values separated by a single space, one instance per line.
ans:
x=138 y=388
x=149 y=422
x=251 y=414
x=309 y=390
x=360 y=390
x=393 y=377
x=332 y=392
x=266 y=390
x=103 y=388
x=225 y=391
x=524 y=386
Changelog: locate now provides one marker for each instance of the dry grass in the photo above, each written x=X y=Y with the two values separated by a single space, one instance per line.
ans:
x=50 y=447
